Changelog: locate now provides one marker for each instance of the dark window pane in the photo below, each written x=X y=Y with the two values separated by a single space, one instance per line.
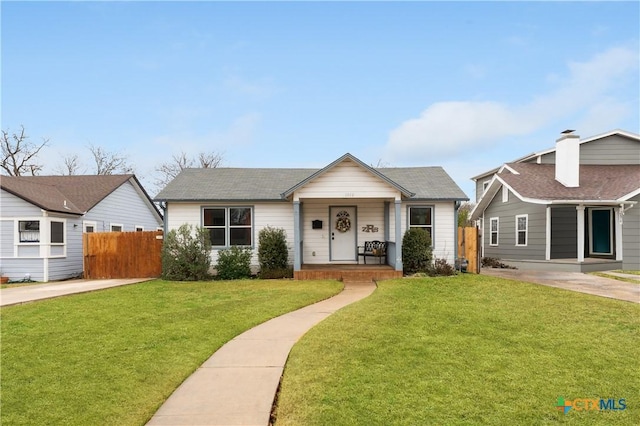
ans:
x=522 y=238
x=57 y=232
x=217 y=236
x=494 y=238
x=420 y=216
x=214 y=217
x=240 y=236
x=240 y=216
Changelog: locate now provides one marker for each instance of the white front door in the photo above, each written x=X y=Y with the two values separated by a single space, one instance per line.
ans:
x=343 y=234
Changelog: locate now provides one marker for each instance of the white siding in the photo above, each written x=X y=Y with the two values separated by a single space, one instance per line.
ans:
x=444 y=228
x=347 y=180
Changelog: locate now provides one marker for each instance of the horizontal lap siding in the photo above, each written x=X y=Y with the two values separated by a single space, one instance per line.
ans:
x=631 y=241
x=123 y=206
x=613 y=150
x=13 y=206
x=275 y=215
x=368 y=212
x=507 y=249
x=6 y=238
x=444 y=227
x=71 y=265
x=347 y=180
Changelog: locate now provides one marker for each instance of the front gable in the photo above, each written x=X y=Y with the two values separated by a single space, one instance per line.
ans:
x=347 y=177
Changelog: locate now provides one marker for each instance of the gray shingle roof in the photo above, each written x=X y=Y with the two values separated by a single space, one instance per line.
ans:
x=80 y=193
x=597 y=182
x=229 y=184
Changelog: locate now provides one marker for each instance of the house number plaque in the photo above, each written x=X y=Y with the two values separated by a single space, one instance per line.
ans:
x=369 y=228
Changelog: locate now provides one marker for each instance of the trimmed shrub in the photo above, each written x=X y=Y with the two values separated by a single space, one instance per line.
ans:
x=186 y=254
x=273 y=254
x=416 y=251
x=234 y=263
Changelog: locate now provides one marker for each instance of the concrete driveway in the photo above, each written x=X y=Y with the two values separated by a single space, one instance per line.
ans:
x=29 y=293
x=583 y=283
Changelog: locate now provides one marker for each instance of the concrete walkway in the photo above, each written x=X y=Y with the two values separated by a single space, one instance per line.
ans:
x=237 y=385
x=583 y=283
x=29 y=293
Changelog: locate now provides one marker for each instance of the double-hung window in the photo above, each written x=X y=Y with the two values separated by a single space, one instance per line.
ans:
x=29 y=231
x=228 y=226
x=522 y=222
x=493 y=231
x=57 y=232
x=422 y=218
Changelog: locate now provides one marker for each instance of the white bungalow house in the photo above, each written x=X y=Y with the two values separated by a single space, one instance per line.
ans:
x=234 y=204
x=42 y=219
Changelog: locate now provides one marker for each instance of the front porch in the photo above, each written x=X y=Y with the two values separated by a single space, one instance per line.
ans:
x=346 y=272
x=590 y=264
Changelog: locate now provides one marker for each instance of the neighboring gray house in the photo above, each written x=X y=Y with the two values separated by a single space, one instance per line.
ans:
x=573 y=207
x=379 y=203
x=42 y=219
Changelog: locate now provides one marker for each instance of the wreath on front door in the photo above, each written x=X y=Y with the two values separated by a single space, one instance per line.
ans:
x=343 y=224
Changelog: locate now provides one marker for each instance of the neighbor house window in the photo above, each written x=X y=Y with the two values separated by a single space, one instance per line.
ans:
x=116 y=227
x=485 y=185
x=57 y=232
x=139 y=228
x=29 y=231
x=493 y=231
x=89 y=226
x=522 y=223
x=228 y=226
x=421 y=218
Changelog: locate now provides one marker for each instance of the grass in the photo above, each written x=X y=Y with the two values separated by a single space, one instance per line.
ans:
x=614 y=277
x=465 y=350
x=112 y=357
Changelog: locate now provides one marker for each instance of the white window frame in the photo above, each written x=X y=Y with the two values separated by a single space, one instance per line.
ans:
x=497 y=231
x=505 y=194
x=485 y=185
x=227 y=225
x=18 y=238
x=525 y=230
x=139 y=228
x=611 y=231
x=89 y=223
x=427 y=227
x=64 y=232
x=111 y=225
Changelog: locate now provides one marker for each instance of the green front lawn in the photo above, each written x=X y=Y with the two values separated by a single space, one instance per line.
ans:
x=465 y=350
x=112 y=357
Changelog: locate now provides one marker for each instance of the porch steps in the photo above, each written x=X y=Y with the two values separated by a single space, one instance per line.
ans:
x=347 y=274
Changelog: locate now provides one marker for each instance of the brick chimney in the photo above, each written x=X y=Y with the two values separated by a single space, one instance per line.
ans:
x=568 y=159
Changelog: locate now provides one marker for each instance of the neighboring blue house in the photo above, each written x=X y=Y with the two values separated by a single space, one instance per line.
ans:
x=42 y=219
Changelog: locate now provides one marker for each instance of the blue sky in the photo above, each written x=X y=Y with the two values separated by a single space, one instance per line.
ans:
x=464 y=85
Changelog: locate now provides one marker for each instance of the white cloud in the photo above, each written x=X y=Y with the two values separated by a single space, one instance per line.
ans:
x=447 y=128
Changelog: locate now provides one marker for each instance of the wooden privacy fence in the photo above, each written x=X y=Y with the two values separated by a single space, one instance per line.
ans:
x=122 y=254
x=468 y=247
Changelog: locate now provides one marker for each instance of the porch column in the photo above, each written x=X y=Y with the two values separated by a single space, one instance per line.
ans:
x=547 y=250
x=617 y=216
x=297 y=255
x=386 y=221
x=580 y=210
x=398 y=235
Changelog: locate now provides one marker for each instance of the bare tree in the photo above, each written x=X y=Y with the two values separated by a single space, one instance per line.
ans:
x=109 y=163
x=169 y=170
x=70 y=166
x=19 y=154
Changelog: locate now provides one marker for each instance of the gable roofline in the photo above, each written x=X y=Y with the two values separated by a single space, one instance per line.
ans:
x=70 y=207
x=345 y=157
x=620 y=132
x=56 y=185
